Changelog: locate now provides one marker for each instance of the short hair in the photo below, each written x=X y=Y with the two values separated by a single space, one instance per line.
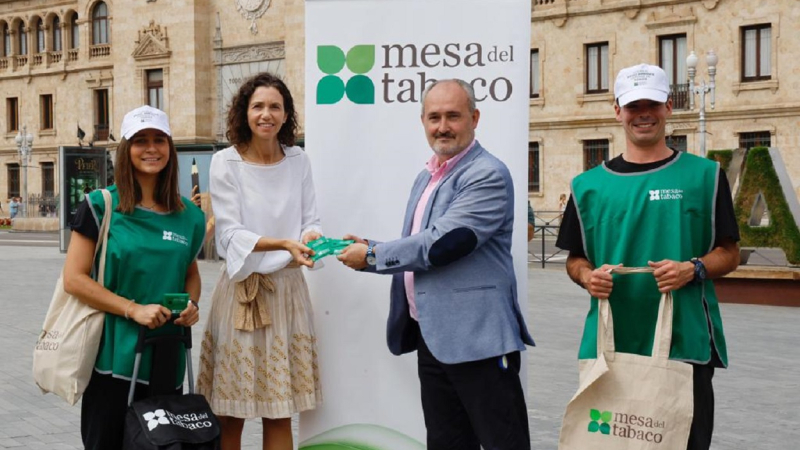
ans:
x=464 y=85
x=239 y=132
x=130 y=193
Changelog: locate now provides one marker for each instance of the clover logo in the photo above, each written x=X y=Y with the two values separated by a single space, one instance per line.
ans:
x=359 y=89
x=655 y=195
x=597 y=417
x=155 y=418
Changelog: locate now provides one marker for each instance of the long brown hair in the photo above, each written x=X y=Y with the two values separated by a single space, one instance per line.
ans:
x=130 y=193
x=239 y=132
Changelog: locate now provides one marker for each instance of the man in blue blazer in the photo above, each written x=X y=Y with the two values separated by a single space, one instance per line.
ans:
x=454 y=293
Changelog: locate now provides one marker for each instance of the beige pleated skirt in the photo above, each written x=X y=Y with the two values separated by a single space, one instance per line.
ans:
x=270 y=372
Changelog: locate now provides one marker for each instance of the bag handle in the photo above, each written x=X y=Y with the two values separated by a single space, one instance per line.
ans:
x=103 y=236
x=662 y=339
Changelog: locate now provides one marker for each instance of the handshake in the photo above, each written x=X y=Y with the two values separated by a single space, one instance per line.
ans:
x=350 y=250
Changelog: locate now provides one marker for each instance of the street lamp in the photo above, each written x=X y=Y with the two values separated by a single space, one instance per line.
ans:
x=702 y=89
x=24 y=142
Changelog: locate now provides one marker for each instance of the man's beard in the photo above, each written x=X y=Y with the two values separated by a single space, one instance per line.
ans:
x=447 y=149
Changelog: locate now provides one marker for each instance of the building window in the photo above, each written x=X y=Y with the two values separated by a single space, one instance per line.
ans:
x=13 y=180
x=40 y=36
x=56 y=35
x=48 y=179
x=155 y=88
x=597 y=68
x=672 y=55
x=100 y=24
x=23 y=39
x=533 y=167
x=594 y=153
x=12 y=114
x=46 y=111
x=677 y=143
x=755 y=139
x=75 y=34
x=535 y=73
x=756 y=53
x=6 y=40
x=100 y=115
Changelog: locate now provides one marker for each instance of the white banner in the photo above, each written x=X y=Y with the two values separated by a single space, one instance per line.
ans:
x=367 y=63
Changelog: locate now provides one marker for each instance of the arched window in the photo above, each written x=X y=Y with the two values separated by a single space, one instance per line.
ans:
x=23 y=39
x=39 y=36
x=6 y=40
x=56 y=34
x=75 y=33
x=100 y=24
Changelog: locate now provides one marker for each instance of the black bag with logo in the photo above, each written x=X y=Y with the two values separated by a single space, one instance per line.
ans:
x=169 y=422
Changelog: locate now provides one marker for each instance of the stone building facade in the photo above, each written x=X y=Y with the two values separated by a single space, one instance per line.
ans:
x=66 y=64
x=70 y=64
x=578 y=46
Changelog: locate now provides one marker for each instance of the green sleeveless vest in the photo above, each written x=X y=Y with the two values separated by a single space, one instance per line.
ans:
x=633 y=218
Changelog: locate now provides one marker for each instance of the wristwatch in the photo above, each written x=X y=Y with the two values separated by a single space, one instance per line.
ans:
x=371 y=259
x=699 y=271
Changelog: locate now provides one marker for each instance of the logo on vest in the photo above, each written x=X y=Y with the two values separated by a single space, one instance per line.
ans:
x=665 y=194
x=629 y=426
x=189 y=421
x=175 y=237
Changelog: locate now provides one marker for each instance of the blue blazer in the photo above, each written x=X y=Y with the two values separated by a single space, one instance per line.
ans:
x=466 y=290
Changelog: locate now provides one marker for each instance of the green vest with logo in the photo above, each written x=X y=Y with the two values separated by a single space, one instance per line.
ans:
x=148 y=256
x=633 y=218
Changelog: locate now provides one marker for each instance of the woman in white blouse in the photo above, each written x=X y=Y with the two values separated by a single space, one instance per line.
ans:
x=259 y=354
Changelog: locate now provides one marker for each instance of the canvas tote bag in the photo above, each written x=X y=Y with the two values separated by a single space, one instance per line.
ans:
x=627 y=401
x=67 y=347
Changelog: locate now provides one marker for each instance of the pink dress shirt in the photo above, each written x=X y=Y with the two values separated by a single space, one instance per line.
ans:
x=437 y=171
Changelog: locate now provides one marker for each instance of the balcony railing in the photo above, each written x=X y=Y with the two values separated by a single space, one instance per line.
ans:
x=543 y=2
x=680 y=96
x=101 y=132
x=38 y=59
x=55 y=57
x=4 y=63
x=22 y=60
x=72 y=54
x=99 y=51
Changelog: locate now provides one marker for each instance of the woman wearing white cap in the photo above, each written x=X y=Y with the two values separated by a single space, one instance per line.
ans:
x=258 y=356
x=142 y=265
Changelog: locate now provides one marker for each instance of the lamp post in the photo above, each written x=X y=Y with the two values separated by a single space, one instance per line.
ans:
x=702 y=89
x=24 y=142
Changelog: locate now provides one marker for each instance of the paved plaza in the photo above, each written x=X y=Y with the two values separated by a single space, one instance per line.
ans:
x=758 y=398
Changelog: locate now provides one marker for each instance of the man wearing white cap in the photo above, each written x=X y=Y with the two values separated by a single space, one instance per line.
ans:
x=657 y=207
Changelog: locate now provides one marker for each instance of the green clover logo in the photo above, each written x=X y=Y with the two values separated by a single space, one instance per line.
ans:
x=597 y=417
x=359 y=88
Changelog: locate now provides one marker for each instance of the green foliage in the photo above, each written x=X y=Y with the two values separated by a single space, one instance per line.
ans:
x=782 y=232
x=723 y=157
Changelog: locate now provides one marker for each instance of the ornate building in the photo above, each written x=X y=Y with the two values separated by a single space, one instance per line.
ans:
x=578 y=46
x=70 y=65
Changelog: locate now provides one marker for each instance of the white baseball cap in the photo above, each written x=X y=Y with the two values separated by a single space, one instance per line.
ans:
x=142 y=118
x=641 y=82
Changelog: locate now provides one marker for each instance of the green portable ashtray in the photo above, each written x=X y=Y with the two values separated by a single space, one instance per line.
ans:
x=176 y=303
x=326 y=246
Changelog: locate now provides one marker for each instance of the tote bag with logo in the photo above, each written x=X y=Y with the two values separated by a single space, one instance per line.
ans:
x=627 y=401
x=66 y=350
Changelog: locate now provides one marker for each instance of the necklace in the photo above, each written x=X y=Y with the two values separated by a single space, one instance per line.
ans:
x=150 y=208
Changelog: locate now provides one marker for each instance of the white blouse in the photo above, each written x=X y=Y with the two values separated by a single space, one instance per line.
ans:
x=253 y=200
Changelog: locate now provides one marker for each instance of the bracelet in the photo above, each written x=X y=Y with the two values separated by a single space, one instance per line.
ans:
x=196 y=305
x=128 y=309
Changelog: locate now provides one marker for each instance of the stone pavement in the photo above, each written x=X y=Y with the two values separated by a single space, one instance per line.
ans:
x=758 y=398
